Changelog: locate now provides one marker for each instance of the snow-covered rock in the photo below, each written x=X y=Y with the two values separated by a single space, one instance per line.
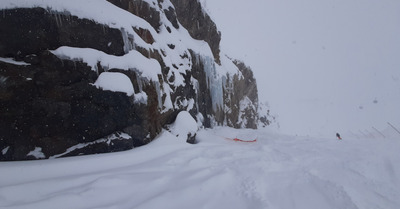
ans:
x=70 y=77
x=36 y=153
x=115 y=82
x=185 y=127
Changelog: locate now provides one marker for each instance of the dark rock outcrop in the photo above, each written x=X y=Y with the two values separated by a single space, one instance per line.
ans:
x=141 y=9
x=199 y=24
x=53 y=105
x=26 y=31
x=50 y=107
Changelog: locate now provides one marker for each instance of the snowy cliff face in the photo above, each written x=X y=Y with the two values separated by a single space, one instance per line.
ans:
x=83 y=77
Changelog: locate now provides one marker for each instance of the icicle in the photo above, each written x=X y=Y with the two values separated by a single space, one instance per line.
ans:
x=96 y=69
x=60 y=19
x=128 y=40
x=57 y=21
x=214 y=82
x=139 y=81
x=159 y=93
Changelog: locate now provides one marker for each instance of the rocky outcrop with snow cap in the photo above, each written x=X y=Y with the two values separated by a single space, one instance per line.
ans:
x=84 y=77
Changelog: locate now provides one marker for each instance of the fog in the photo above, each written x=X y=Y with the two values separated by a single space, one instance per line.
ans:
x=323 y=66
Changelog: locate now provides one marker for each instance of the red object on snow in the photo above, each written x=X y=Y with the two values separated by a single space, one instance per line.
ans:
x=239 y=140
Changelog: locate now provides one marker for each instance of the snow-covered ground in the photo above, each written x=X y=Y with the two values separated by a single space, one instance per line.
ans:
x=277 y=171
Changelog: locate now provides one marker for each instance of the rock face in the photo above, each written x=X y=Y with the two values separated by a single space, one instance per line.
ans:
x=51 y=56
x=37 y=29
x=200 y=26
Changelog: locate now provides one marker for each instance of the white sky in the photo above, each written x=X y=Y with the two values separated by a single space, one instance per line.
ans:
x=320 y=64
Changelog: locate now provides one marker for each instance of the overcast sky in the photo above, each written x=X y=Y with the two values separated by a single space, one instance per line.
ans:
x=322 y=65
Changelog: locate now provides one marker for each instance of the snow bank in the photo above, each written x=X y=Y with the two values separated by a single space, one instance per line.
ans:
x=116 y=82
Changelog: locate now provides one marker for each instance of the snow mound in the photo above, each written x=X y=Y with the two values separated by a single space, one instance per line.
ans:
x=114 y=81
x=185 y=125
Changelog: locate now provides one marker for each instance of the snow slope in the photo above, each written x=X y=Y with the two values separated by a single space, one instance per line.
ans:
x=277 y=171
